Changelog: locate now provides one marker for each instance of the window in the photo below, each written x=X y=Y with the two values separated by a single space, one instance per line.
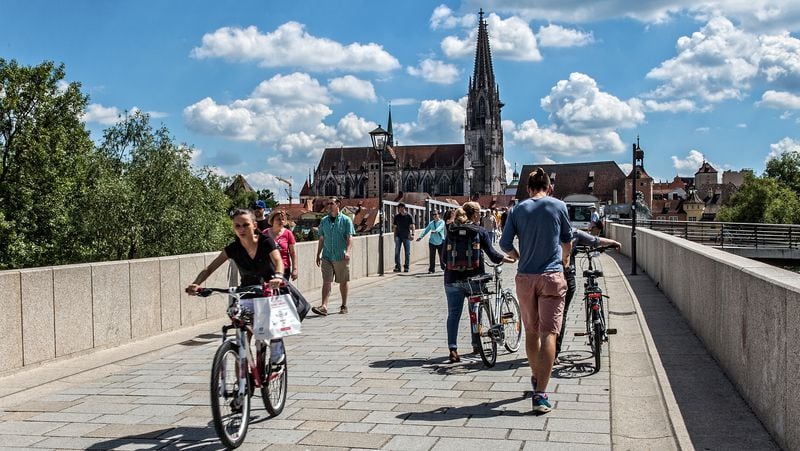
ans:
x=673 y=218
x=330 y=188
x=388 y=184
x=411 y=185
x=481 y=150
x=427 y=185
x=444 y=185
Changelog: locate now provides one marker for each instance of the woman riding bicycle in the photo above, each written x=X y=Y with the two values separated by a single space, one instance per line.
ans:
x=258 y=259
x=456 y=282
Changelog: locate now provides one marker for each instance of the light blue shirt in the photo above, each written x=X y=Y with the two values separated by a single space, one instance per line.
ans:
x=437 y=232
x=334 y=232
x=542 y=225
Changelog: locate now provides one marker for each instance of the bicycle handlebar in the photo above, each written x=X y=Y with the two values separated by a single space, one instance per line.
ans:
x=241 y=291
x=589 y=249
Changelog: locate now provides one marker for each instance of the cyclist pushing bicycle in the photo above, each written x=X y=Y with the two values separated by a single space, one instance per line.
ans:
x=258 y=259
x=465 y=245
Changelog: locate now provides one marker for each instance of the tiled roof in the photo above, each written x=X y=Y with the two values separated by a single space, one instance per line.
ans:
x=573 y=178
x=706 y=169
x=423 y=157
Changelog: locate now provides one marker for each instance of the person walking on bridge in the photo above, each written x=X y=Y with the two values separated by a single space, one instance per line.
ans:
x=435 y=242
x=333 y=254
x=542 y=225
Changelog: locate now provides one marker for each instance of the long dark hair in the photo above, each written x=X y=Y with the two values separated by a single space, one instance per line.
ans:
x=538 y=180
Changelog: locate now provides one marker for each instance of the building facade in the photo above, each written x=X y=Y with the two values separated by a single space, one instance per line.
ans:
x=435 y=169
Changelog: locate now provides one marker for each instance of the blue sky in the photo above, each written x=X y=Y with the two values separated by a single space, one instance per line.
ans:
x=262 y=87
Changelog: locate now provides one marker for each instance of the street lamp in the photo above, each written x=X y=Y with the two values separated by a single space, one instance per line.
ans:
x=638 y=156
x=470 y=171
x=379 y=138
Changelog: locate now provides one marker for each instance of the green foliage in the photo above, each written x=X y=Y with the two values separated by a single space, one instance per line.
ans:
x=785 y=169
x=63 y=200
x=762 y=200
x=268 y=197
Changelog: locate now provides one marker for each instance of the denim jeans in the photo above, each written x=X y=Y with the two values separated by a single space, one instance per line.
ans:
x=406 y=243
x=456 y=292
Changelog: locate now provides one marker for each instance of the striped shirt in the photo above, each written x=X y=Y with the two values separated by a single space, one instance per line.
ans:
x=334 y=232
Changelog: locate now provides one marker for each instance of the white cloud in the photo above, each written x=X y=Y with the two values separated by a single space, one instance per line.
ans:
x=626 y=168
x=741 y=125
x=443 y=18
x=578 y=106
x=290 y=45
x=404 y=101
x=779 y=100
x=674 y=106
x=755 y=15
x=689 y=165
x=702 y=129
x=556 y=36
x=510 y=39
x=351 y=86
x=780 y=59
x=354 y=130
x=784 y=145
x=438 y=121
x=294 y=89
x=435 y=71
x=101 y=115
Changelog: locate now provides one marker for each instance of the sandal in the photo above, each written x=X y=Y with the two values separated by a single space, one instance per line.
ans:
x=321 y=310
x=343 y=310
x=453 y=357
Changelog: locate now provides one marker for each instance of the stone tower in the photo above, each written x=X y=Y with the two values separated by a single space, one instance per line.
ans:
x=483 y=133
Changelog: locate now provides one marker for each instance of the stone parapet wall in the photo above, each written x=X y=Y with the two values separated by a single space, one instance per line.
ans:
x=747 y=314
x=62 y=311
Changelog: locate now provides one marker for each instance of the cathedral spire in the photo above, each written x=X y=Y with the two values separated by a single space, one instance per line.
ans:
x=483 y=75
x=390 y=140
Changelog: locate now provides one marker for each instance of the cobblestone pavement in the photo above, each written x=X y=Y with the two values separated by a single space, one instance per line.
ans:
x=376 y=378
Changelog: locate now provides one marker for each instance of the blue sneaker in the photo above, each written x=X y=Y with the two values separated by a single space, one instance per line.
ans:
x=540 y=403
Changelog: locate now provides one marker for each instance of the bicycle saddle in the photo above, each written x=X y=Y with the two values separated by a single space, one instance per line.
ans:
x=595 y=273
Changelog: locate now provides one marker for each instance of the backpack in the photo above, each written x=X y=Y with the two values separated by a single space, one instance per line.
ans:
x=601 y=223
x=463 y=247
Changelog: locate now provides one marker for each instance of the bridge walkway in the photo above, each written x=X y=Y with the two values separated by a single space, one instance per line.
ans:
x=378 y=378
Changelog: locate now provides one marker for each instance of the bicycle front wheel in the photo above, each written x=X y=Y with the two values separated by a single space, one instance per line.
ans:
x=274 y=389
x=597 y=342
x=511 y=320
x=488 y=345
x=229 y=409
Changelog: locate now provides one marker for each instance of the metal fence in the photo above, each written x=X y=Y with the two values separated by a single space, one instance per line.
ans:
x=728 y=234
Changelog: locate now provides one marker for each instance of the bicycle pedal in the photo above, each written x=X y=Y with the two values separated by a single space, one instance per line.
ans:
x=611 y=331
x=580 y=334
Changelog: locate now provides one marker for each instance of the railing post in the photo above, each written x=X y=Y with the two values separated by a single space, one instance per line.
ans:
x=755 y=233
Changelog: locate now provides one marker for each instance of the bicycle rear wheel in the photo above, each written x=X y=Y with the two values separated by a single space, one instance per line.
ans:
x=511 y=320
x=488 y=345
x=230 y=411
x=274 y=389
x=597 y=339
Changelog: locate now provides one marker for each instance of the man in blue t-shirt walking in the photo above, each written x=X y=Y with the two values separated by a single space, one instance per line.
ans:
x=542 y=225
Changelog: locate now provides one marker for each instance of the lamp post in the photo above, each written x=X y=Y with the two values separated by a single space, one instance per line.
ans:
x=470 y=171
x=379 y=137
x=638 y=156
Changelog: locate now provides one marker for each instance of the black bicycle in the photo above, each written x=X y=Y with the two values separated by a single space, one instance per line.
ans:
x=235 y=374
x=593 y=302
x=497 y=322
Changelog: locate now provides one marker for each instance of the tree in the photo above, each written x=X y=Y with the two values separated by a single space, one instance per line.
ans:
x=762 y=200
x=786 y=169
x=268 y=197
x=44 y=149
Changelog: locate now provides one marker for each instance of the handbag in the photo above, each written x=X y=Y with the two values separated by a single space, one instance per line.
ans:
x=275 y=317
x=300 y=303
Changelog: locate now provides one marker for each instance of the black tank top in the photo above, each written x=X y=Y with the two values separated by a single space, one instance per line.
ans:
x=253 y=271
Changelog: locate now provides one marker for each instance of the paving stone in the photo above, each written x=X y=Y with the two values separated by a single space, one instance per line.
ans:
x=410 y=443
x=401 y=429
x=330 y=415
x=580 y=437
x=568 y=425
x=346 y=439
x=460 y=444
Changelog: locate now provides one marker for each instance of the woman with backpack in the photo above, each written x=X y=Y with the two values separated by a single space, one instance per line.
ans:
x=464 y=235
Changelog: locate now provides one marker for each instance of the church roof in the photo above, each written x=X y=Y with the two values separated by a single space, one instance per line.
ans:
x=574 y=178
x=423 y=156
x=706 y=169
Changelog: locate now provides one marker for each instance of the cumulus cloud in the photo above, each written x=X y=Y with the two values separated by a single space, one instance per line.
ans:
x=556 y=36
x=351 y=86
x=688 y=165
x=290 y=45
x=510 y=39
x=435 y=71
x=584 y=120
x=102 y=115
x=443 y=18
x=784 y=145
x=702 y=129
x=404 y=101
x=753 y=15
x=438 y=121
x=779 y=100
x=674 y=106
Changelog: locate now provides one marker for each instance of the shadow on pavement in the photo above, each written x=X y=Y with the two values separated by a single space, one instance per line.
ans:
x=183 y=437
x=715 y=415
x=484 y=409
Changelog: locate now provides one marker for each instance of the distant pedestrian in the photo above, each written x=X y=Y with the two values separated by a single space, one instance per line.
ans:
x=436 y=228
x=285 y=240
x=594 y=221
x=333 y=254
x=403 y=229
x=489 y=222
x=542 y=225
x=259 y=208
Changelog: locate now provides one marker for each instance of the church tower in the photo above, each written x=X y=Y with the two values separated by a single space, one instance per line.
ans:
x=483 y=133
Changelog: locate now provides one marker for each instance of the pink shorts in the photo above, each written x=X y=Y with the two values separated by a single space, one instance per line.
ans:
x=541 y=301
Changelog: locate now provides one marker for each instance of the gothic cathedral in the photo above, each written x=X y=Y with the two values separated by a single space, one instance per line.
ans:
x=475 y=167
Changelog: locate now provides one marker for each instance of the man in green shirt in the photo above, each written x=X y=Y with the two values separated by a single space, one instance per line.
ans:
x=333 y=254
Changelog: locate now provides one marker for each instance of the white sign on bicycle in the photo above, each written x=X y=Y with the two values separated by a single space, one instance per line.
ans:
x=275 y=317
